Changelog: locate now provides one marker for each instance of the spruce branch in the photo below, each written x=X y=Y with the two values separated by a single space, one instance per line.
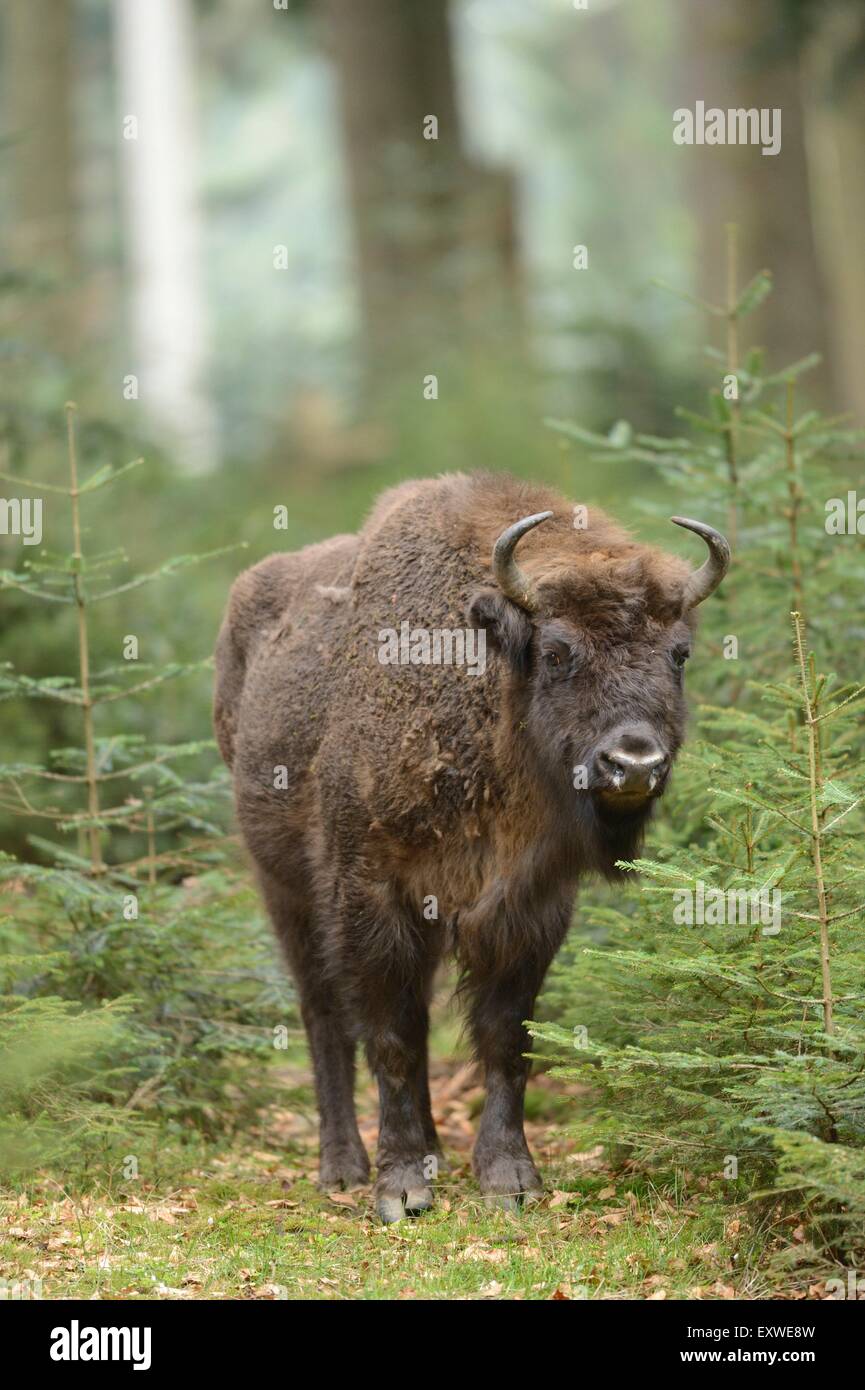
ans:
x=817 y=829
x=795 y=494
x=83 y=645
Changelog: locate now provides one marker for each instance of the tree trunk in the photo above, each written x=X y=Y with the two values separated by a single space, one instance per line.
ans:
x=37 y=40
x=835 y=122
x=159 y=176
x=433 y=234
x=767 y=196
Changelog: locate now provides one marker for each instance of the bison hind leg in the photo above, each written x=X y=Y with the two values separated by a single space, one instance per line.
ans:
x=343 y=1160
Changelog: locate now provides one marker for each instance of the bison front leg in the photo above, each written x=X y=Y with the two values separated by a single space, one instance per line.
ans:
x=407 y=1152
x=499 y=1004
x=342 y=1158
x=389 y=959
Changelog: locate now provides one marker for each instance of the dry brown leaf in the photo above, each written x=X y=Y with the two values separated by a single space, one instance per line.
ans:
x=476 y=1252
x=341 y=1199
x=707 y=1253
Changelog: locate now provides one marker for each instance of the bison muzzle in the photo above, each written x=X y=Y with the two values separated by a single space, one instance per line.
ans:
x=397 y=812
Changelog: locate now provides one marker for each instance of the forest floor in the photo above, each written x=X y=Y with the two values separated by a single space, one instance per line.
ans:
x=247 y=1221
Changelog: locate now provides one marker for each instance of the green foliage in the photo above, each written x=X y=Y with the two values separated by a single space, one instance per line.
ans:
x=173 y=1012
x=60 y=1082
x=709 y=1027
x=141 y=991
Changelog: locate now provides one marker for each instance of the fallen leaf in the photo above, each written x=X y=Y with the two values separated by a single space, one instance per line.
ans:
x=342 y=1199
x=475 y=1252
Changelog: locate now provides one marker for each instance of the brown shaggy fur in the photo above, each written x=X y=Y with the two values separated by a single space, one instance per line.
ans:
x=408 y=783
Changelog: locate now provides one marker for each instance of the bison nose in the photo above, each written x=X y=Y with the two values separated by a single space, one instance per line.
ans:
x=633 y=764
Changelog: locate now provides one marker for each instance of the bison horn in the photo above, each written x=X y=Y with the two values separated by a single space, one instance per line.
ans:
x=707 y=578
x=509 y=577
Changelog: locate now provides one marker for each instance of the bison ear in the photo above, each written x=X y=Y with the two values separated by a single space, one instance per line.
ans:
x=508 y=627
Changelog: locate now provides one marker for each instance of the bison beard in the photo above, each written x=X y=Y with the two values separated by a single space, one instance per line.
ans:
x=610 y=839
x=399 y=813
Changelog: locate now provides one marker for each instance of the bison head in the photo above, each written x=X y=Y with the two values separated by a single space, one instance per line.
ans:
x=595 y=645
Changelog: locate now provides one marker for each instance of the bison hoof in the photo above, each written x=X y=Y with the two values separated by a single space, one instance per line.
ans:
x=343 y=1168
x=509 y=1182
x=402 y=1191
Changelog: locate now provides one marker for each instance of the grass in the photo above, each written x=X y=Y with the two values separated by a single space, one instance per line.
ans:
x=246 y=1221
x=233 y=1234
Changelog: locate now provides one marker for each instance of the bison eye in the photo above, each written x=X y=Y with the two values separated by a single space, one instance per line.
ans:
x=558 y=658
x=680 y=656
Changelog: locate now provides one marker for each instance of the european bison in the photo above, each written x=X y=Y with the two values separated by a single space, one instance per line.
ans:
x=400 y=806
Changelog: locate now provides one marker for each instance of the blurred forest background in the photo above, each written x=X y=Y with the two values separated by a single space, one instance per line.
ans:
x=230 y=243
x=228 y=240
